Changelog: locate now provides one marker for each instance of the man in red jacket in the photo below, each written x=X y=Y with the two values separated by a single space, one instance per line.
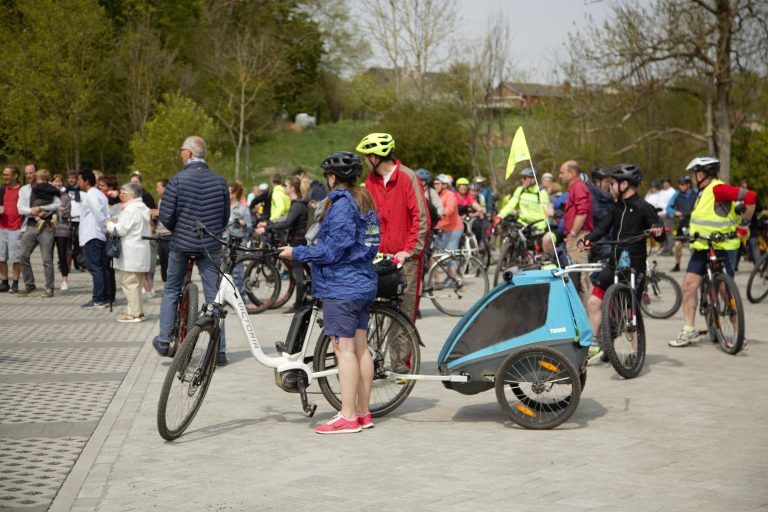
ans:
x=403 y=212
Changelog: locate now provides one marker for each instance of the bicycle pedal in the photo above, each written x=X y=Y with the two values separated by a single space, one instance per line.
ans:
x=280 y=346
x=310 y=411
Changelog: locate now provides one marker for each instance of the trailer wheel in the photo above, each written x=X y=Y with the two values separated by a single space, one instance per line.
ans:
x=538 y=388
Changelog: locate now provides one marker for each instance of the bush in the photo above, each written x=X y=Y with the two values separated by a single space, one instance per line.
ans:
x=156 y=147
x=432 y=135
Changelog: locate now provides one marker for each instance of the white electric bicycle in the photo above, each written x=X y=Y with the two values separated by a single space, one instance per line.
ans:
x=392 y=340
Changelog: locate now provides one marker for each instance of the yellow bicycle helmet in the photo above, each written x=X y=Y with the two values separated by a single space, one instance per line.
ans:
x=381 y=144
x=462 y=181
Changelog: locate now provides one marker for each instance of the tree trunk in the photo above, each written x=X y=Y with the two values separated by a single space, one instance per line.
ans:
x=710 y=130
x=725 y=19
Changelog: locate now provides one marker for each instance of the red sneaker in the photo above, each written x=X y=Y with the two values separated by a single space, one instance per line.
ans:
x=339 y=425
x=365 y=420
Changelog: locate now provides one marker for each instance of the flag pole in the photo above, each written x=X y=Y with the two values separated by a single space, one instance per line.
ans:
x=546 y=216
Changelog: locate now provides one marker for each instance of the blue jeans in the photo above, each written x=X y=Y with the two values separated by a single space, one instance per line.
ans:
x=97 y=264
x=177 y=267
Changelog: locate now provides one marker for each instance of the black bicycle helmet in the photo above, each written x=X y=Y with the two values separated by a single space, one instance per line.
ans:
x=343 y=164
x=627 y=172
x=599 y=173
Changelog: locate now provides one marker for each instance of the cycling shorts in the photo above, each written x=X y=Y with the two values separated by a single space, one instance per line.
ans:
x=698 y=262
x=602 y=280
x=341 y=318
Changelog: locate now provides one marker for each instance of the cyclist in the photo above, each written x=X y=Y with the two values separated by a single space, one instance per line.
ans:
x=469 y=205
x=713 y=212
x=432 y=197
x=680 y=207
x=484 y=190
x=532 y=205
x=343 y=276
x=628 y=216
x=402 y=209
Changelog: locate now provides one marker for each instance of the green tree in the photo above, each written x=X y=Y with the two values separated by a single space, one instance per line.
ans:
x=156 y=147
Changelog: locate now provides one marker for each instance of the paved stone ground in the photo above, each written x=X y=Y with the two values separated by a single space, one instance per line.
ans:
x=688 y=434
x=60 y=368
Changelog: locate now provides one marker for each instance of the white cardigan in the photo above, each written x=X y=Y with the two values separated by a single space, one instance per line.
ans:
x=131 y=225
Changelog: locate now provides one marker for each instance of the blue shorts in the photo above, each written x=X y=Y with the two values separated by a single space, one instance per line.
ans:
x=343 y=317
x=698 y=262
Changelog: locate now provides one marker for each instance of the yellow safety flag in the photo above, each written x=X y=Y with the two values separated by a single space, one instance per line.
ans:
x=518 y=152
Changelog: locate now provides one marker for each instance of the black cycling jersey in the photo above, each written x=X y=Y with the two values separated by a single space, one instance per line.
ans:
x=625 y=219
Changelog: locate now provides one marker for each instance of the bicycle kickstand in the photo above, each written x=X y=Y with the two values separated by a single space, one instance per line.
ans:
x=309 y=409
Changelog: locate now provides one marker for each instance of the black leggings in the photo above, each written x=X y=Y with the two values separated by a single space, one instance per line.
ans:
x=297 y=270
x=64 y=251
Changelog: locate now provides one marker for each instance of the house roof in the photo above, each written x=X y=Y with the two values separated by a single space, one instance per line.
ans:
x=528 y=89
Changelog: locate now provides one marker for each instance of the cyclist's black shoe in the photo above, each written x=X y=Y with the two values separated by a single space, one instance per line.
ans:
x=676 y=268
x=4 y=286
x=160 y=346
x=222 y=359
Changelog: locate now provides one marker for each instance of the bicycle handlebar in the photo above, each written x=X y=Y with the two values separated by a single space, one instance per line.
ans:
x=636 y=238
x=202 y=229
x=715 y=238
x=158 y=238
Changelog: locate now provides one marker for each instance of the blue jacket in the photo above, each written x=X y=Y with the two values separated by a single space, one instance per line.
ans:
x=601 y=203
x=195 y=193
x=342 y=260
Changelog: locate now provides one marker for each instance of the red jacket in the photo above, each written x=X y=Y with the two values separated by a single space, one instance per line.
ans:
x=403 y=212
x=579 y=202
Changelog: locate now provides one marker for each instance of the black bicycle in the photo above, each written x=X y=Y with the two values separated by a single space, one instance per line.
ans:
x=757 y=286
x=622 y=331
x=520 y=244
x=662 y=295
x=720 y=302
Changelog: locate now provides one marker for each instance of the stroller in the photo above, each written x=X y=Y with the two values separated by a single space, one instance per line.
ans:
x=528 y=338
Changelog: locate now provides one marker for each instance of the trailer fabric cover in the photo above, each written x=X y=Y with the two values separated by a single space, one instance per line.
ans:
x=515 y=312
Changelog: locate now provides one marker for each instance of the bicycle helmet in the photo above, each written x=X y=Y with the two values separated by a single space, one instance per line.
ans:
x=480 y=179
x=583 y=177
x=707 y=164
x=627 y=172
x=423 y=174
x=599 y=173
x=462 y=181
x=444 y=179
x=343 y=164
x=526 y=173
x=381 y=144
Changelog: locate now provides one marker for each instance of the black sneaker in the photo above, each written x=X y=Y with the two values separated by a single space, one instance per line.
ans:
x=222 y=359
x=161 y=347
x=4 y=286
x=676 y=268
x=15 y=287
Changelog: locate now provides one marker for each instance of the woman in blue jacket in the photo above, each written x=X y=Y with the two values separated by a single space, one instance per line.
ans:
x=343 y=276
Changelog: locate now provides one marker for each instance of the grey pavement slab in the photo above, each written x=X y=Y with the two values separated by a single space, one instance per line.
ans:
x=688 y=434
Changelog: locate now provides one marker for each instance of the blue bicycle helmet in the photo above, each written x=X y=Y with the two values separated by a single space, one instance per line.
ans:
x=423 y=174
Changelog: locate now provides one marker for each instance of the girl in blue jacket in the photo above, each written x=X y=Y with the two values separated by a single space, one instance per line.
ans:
x=343 y=276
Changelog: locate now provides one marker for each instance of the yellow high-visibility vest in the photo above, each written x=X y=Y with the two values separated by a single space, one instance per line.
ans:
x=709 y=217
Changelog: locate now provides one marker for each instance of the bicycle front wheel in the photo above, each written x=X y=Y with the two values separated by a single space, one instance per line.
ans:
x=662 y=296
x=186 y=382
x=287 y=284
x=757 y=287
x=455 y=283
x=262 y=281
x=393 y=342
x=622 y=334
x=728 y=314
x=505 y=261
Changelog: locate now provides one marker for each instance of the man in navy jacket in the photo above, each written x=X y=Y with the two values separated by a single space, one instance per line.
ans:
x=195 y=193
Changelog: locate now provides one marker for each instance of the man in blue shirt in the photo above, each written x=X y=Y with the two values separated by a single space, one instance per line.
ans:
x=195 y=193
x=680 y=208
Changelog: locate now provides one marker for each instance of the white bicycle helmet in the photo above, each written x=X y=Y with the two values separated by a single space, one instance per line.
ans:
x=707 y=164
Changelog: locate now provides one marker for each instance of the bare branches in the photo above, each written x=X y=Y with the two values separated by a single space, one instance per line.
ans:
x=658 y=134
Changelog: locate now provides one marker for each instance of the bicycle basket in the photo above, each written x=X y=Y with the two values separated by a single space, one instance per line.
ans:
x=391 y=280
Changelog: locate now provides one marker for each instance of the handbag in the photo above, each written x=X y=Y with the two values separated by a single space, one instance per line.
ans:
x=113 y=247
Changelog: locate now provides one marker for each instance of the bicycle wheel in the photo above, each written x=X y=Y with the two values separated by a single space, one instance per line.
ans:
x=757 y=287
x=662 y=296
x=729 y=314
x=484 y=253
x=505 y=261
x=455 y=283
x=262 y=281
x=622 y=338
x=393 y=342
x=186 y=382
x=288 y=284
x=537 y=388
x=185 y=321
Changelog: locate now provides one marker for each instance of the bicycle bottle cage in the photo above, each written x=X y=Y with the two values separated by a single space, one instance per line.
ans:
x=624 y=260
x=298 y=330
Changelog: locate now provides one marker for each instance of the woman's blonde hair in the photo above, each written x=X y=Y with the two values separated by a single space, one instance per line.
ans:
x=363 y=198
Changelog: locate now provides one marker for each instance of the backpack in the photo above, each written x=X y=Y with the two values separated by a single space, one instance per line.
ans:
x=434 y=218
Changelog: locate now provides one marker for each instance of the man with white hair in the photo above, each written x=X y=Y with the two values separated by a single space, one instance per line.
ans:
x=195 y=193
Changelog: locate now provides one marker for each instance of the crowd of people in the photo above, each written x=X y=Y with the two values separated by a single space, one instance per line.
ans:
x=337 y=227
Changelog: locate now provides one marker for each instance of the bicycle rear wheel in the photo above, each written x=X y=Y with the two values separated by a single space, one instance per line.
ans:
x=186 y=382
x=728 y=314
x=622 y=337
x=185 y=321
x=455 y=283
x=545 y=388
x=757 y=287
x=393 y=342
x=262 y=281
x=662 y=296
